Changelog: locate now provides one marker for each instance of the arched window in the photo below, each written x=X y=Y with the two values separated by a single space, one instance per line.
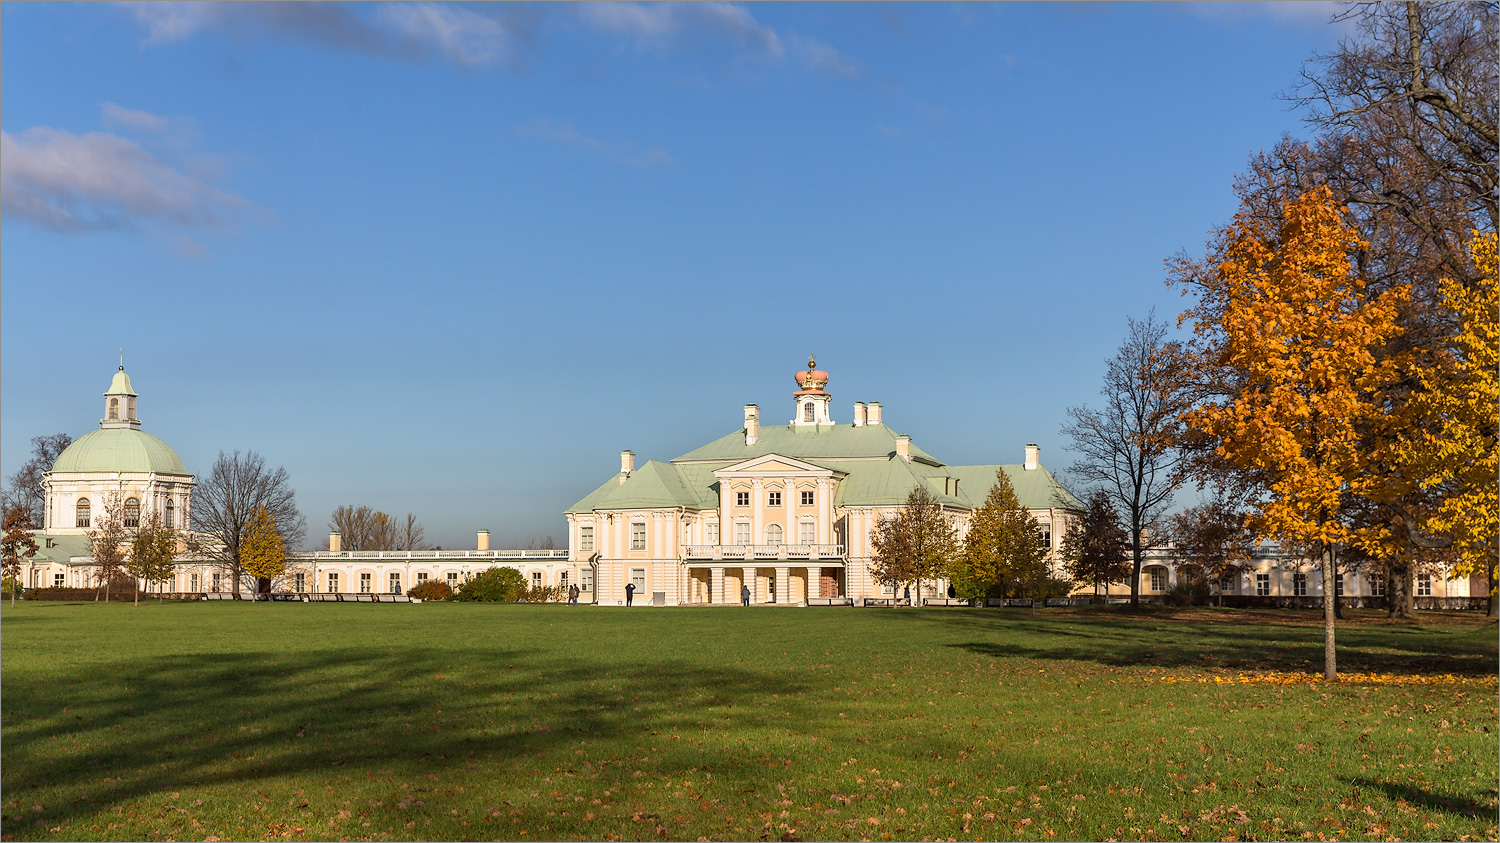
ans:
x=132 y=513
x=773 y=534
x=114 y=408
x=171 y=511
x=807 y=412
x=83 y=512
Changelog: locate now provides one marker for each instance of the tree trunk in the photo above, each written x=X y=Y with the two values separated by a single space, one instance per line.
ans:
x=1135 y=579
x=1494 y=594
x=137 y=590
x=1330 y=659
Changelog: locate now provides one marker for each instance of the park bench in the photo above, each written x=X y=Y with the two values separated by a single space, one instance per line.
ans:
x=1008 y=602
x=364 y=598
x=878 y=603
x=830 y=601
x=1068 y=601
x=946 y=601
x=216 y=595
x=385 y=598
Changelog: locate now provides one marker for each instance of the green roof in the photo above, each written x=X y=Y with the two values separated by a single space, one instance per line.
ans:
x=843 y=441
x=1036 y=489
x=120 y=385
x=63 y=548
x=119 y=449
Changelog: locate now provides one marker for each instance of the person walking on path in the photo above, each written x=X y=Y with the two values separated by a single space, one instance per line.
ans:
x=573 y=595
x=745 y=595
x=629 y=593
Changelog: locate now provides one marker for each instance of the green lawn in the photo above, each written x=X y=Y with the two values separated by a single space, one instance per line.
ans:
x=354 y=721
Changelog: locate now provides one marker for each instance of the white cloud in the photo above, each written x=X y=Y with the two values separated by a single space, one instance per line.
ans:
x=568 y=136
x=718 y=24
x=99 y=181
x=129 y=119
x=454 y=33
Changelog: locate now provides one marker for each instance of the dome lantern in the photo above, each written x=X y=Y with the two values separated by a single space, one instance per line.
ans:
x=119 y=403
x=811 y=398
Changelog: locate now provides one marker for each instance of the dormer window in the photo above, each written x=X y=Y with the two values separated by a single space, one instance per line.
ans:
x=807 y=412
x=83 y=512
x=114 y=409
x=132 y=513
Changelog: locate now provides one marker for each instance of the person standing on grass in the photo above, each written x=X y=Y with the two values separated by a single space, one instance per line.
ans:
x=745 y=595
x=573 y=595
x=629 y=593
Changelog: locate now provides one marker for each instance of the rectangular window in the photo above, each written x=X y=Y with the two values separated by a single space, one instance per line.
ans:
x=1262 y=585
x=586 y=579
x=301 y=582
x=453 y=579
x=740 y=499
x=562 y=580
x=57 y=580
x=421 y=577
x=710 y=533
x=1338 y=585
x=536 y=579
x=637 y=535
x=742 y=534
x=807 y=498
x=1158 y=579
x=586 y=538
x=195 y=582
x=1377 y=586
x=638 y=579
x=395 y=583
x=1227 y=585
x=773 y=499
x=1424 y=585
x=1299 y=584
x=333 y=583
x=218 y=581
x=1046 y=531
x=807 y=533
x=364 y=583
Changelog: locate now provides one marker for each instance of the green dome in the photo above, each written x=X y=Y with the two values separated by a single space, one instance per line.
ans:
x=119 y=449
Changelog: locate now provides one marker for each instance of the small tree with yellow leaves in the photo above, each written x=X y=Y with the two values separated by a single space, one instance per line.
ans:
x=263 y=554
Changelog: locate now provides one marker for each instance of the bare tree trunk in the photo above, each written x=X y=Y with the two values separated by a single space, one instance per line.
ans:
x=1330 y=659
x=1494 y=595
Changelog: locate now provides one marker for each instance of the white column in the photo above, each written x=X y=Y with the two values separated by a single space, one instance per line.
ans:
x=783 y=587
x=716 y=585
x=751 y=580
x=814 y=583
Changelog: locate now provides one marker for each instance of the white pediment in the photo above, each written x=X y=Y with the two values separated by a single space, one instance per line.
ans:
x=777 y=465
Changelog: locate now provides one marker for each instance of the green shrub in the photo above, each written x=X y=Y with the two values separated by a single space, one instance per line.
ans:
x=431 y=590
x=496 y=585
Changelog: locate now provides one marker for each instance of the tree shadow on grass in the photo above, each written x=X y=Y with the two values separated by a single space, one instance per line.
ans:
x=1431 y=800
x=154 y=726
x=1227 y=645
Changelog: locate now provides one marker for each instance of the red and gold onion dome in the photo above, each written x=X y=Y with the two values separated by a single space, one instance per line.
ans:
x=813 y=380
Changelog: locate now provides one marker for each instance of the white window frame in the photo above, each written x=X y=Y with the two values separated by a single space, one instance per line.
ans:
x=536 y=579
x=638 y=579
x=394 y=581
x=741 y=498
x=1158 y=579
x=366 y=581
x=59 y=580
x=1262 y=585
x=711 y=533
x=807 y=532
x=1424 y=585
x=774 y=534
x=333 y=582
x=742 y=533
x=807 y=497
x=421 y=577
x=452 y=578
x=638 y=535
x=773 y=499
x=1377 y=585
x=586 y=538
x=1299 y=584
x=586 y=579
x=299 y=580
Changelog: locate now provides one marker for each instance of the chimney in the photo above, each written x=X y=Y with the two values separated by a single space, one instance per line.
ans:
x=1032 y=462
x=627 y=464
x=752 y=424
x=903 y=447
x=484 y=540
x=335 y=542
x=874 y=413
x=859 y=414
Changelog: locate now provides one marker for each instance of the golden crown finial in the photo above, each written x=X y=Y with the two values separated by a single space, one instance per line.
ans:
x=812 y=362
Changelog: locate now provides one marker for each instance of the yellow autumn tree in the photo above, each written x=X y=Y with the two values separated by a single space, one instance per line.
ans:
x=262 y=552
x=1455 y=452
x=1300 y=332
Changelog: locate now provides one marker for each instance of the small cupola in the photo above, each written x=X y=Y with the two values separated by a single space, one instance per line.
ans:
x=119 y=403
x=811 y=397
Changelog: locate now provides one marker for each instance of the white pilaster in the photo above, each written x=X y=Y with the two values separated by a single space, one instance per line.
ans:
x=783 y=586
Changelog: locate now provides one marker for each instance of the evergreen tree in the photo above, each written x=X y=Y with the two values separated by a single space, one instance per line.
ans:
x=263 y=554
x=1004 y=550
x=1096 y=548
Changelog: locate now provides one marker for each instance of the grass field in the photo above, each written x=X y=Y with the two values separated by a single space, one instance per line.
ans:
x=373 y=722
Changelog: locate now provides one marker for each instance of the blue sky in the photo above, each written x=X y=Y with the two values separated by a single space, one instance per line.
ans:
x=451 y=259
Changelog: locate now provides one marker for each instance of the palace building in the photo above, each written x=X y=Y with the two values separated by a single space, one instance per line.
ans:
x=785 y=509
